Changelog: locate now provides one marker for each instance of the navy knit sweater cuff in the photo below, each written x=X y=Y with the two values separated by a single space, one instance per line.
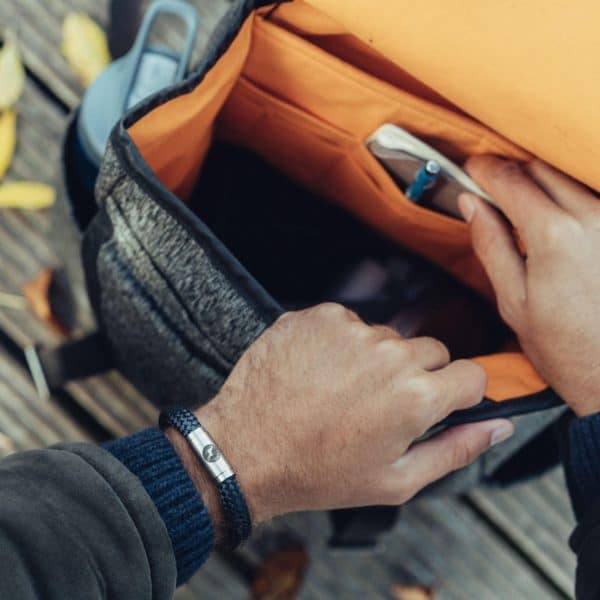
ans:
x=583 y=463
x=150 y=456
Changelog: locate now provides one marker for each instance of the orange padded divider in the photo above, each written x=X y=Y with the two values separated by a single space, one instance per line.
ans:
x=510 y=375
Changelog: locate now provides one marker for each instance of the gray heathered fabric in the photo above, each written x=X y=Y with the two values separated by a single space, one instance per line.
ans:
x=177 y=323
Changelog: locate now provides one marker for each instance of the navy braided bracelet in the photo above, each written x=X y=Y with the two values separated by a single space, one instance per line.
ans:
x=233 y=503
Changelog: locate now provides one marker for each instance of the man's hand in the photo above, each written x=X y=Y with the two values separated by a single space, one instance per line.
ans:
x=551 y=297
x=322 y=412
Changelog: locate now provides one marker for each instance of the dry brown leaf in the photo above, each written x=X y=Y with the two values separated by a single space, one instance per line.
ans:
x=37 y=294
x=412 y=592
x=85 y=46
x=12 y=72
x=27 y=195
x=8 y=138
x=281 y=574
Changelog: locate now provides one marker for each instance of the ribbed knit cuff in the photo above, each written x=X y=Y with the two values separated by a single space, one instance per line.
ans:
x=582 y=463
x=150 y=456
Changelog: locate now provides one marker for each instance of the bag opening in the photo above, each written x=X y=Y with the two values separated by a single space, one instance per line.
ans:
x=308 y=113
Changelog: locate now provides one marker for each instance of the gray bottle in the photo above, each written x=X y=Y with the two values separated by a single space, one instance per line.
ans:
x=143 y=71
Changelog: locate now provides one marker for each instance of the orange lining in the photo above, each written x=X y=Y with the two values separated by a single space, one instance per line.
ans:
x=309 y=114
x=184 y=125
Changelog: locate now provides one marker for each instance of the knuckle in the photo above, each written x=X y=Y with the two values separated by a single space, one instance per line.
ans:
x=559 y=233
x=485 y=242
x=507 y=171
x=332 y=310
x=509 y=309
x=395 y=491
x=395 y=349
x=463 y=453
x=475 y=378
x=384 y=332
x=423 y=389
x=436 y=347
x=401 y=496
x=359 y=331
x=286 y=317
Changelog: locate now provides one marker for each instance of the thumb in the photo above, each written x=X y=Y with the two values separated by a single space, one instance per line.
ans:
x=453 y=449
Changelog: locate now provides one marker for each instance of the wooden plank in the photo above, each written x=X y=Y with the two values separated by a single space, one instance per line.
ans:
x=537 y=517
x=39 y=26
x=24 y=250
x=437 y=543
x=214 y=580
x=26 y=420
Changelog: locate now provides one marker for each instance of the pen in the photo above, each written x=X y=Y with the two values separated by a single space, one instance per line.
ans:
x=424 y=180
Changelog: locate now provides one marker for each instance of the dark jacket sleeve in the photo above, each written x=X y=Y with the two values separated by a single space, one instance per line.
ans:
x=76 y=522
x=581 y=460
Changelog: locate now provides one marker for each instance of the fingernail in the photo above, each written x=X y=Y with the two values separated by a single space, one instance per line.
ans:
x=501 y=433
x=467 y=206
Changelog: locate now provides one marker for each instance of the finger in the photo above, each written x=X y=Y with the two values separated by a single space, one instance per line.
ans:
x=383 y=332
x=430 y=354
x=565 y=191
x=525 y=204
x=458 y=386
x=457 y=447
x=495 y=246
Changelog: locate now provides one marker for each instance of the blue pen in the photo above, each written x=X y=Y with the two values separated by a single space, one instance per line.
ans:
x=424 y=180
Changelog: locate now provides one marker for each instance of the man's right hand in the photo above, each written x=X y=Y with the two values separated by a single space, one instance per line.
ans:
x=322 y=412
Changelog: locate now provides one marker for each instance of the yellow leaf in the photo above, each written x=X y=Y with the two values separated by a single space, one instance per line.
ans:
x=85 y=47
x=8 y=139
x=28 y=195
x=12 y=72
x=412 y=592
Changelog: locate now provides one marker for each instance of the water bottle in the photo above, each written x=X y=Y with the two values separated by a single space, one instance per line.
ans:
x=143 y=71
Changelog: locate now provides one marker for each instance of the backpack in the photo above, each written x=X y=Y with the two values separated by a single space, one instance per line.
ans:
x=294 y=90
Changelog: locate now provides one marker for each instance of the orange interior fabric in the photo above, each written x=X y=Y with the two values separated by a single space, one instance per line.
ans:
x=184 y=125
x=308 y=111
x=323 y=31
x=510 y=375
x=528 y=70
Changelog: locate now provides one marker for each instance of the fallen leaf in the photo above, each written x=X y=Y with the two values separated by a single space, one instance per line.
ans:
x=7 y=446
x=8 y=138
x=28 y=195
x=12 y=72
x=281 y=574
x=412 y=592
x=85 y=46
x=37 y=293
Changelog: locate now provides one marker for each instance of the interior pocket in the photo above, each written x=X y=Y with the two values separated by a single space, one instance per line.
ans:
x=309 y=114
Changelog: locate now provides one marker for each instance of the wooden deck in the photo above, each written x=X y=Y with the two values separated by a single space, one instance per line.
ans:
x=487 y=545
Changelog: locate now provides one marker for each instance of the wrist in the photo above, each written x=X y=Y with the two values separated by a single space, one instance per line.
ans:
x=251 y=475
x=201 y=480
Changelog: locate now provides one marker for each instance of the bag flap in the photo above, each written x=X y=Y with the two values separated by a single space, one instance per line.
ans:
x=528 y=70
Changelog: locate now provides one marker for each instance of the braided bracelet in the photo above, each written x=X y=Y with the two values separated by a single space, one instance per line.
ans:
x=233 y=503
